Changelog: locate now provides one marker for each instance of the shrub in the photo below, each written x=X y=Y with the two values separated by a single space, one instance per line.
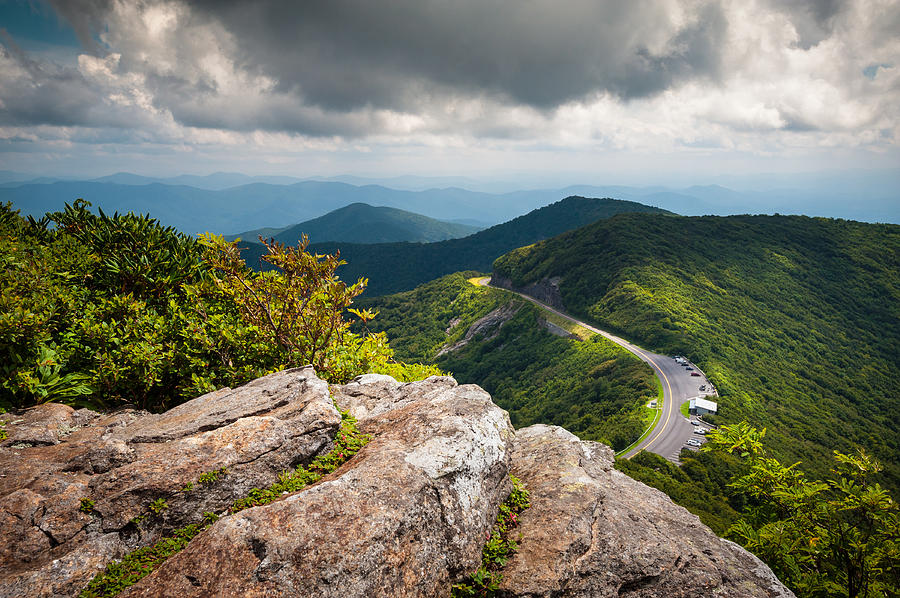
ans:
x=103 y=311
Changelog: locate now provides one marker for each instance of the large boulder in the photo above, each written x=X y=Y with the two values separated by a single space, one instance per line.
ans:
x=405 y=517
x=56 y=456
x=593 y=531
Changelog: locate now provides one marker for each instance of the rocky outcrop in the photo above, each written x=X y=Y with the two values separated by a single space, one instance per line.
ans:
x=545 y=290
x=487 y=326
x=593 y=531
x=121 y=463
x=406 y=516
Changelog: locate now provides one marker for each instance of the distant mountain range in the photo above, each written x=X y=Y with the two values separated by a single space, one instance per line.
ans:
x=362 y=223
x=211 y=182
x=229 y=203
x=230 y=211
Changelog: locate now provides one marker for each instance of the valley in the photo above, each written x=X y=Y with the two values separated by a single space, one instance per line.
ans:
x=795 y=320
x=502 y=342
x=792 y=319
x=668 y=432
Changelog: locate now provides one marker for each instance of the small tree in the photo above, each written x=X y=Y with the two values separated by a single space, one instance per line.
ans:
x=299 y=307
x=834 y=537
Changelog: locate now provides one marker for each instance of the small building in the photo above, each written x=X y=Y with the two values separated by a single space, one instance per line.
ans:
x=702 y=407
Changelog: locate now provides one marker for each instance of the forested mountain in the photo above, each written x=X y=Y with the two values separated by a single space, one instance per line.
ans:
x=362 y=223
x=796 y=320
x=394 y=267
x=501 y=342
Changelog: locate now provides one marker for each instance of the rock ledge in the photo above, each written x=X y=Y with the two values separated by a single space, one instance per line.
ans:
x=406 y=516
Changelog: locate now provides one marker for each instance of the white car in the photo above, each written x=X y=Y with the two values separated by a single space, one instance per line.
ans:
x=700 y=431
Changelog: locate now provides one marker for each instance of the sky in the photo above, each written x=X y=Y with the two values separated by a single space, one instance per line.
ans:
x=614 y=92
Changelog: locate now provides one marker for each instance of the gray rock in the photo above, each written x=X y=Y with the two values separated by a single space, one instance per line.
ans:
x=404 y=517
x=45 y=424
x=592 y=531
x=124 y=461
x=545 y=290
x=487 y=326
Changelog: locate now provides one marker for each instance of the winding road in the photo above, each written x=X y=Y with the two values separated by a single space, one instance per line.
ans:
x=671 y=429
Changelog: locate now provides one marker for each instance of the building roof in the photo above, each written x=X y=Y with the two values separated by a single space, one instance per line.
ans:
x=704 y=404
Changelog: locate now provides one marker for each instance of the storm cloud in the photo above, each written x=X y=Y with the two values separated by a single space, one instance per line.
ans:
x=753 y=75
x=346 y=54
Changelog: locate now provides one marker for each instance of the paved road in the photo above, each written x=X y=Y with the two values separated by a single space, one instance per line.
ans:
x=672 y=429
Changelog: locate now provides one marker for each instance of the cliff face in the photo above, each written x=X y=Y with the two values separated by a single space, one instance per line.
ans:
x=545 y=290
x=406 y=516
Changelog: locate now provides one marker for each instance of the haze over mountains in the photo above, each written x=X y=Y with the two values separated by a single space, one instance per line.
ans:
x=231 y=203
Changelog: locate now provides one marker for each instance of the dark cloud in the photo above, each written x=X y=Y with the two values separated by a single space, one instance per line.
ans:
x=346 y=54
x=489 y=68
x=813 y=19
x=86 y=18
x=277 y=114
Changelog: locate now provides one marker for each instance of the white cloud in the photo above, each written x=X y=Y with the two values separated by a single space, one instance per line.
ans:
x=781 y=78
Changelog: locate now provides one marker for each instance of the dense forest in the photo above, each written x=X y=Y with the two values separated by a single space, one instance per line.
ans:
x=796 y=320
x=394 y=267
x=592 y=387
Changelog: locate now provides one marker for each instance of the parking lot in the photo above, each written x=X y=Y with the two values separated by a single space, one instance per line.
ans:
x=693 y=384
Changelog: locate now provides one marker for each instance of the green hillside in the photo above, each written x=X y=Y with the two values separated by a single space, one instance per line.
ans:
x=594 y=388
x=106 y=311
x=796 y=320
x=362 y=223
x=394 y=267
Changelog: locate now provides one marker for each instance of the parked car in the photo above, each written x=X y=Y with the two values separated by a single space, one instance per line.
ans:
x=695 y=423
x=700 y=431
x=695 y=373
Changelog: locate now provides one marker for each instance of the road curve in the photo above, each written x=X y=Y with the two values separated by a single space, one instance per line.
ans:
x=672 y=429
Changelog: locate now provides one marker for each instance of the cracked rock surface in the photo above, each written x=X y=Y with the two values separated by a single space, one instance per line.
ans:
x=406 y=516
x=56 y=456
x=593 y=531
